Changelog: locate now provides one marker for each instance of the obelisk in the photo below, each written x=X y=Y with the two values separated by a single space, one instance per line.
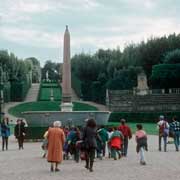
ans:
x=66 y=104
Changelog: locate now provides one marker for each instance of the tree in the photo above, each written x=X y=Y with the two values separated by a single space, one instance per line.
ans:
x=172 y=57
x=166 y=76
x=36 y=69
x=53 y=70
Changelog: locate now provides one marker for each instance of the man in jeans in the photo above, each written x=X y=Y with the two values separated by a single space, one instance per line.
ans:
x=163 y=127
x=126 y=131
x=175 y=127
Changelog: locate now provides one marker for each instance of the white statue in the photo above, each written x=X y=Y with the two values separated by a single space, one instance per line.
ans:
x=47 y=75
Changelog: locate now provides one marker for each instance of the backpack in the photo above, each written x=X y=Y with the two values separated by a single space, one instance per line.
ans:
x=163 y=129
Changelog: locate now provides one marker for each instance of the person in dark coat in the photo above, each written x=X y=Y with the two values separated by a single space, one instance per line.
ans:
x=5 y=132
x=19 y=133
x=89 y=137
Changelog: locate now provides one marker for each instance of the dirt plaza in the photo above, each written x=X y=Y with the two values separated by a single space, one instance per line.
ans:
x=29 y=164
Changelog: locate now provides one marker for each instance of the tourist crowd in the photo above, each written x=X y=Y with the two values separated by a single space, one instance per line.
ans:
x=92 y=141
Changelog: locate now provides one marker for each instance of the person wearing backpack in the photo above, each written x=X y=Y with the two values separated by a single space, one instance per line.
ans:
x=163 y=127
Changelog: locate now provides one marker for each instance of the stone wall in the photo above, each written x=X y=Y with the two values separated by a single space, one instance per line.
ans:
x=127 y=101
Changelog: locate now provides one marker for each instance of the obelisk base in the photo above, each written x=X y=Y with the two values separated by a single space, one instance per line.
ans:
x=66 y=107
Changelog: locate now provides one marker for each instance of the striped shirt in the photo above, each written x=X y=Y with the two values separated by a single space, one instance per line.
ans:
x=175 y=126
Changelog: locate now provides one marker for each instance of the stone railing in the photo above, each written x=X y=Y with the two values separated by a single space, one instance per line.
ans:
x=136 y=91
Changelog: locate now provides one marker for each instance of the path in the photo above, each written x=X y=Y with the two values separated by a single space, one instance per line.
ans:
x=7 y=107
x=31 y=96
x=28 y=164
x=33 y=93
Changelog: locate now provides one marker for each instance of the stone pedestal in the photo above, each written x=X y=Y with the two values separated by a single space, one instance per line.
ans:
x=66 y=107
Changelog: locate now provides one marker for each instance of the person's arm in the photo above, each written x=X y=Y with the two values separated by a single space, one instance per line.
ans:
x=136 y=136
x=167 y=125
x=121 y=134
x=63 y=138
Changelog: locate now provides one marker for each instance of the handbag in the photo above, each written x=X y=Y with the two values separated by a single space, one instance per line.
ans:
x=83 y=155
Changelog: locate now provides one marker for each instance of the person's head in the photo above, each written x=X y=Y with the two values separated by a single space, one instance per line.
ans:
x=110 y=129
x=18 y=121
x=174 y=118
x=115 y=128
x=139 y=126
x=91 y=123
x=123 y=121
x=5 y=120
x=102 y=126
x=57 y=124
x=161 y=117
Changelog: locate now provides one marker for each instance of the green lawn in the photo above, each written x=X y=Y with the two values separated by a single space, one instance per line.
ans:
x=45 y=92
x=47 y=106
x=150 y=128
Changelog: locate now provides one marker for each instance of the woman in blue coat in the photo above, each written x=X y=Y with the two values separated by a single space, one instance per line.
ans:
x=5 y=133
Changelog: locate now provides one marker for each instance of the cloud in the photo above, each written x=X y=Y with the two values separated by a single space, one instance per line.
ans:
x=93 y=23
x=30 y=37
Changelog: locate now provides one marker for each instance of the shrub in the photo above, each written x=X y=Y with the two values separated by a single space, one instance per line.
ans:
x=148 y=117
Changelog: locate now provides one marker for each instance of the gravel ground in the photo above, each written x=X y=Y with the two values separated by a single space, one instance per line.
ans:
x=27 y=164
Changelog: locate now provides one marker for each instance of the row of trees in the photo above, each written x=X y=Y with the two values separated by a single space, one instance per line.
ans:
x=114 y=69
x=17 y=75
x=54 y=71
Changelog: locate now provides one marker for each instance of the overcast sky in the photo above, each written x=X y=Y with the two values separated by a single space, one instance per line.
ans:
x=36 y=27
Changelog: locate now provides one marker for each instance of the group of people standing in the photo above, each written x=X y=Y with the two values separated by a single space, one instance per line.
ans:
x=19 y=132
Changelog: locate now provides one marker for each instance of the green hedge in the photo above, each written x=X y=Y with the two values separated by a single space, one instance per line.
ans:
x=7 y=92
x=76 y=84
x=19 y=90
x=141 y=117
x=35 y=132
x=98 y=92
x=166 y=76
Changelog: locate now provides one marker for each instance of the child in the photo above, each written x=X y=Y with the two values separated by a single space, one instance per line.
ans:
x=141 y=139
x=116 y=141
x=45 y=144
